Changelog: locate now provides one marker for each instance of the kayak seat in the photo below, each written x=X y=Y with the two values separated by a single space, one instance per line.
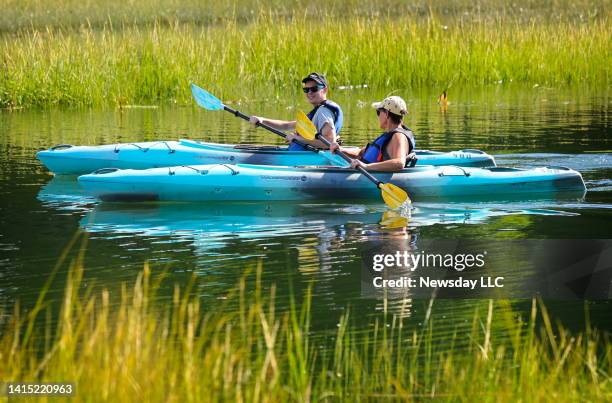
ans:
x=411 y=160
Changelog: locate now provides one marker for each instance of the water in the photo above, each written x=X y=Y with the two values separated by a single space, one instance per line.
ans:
x=301 y=245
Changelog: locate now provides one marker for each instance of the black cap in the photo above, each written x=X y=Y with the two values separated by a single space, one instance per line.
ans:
x=317 y=78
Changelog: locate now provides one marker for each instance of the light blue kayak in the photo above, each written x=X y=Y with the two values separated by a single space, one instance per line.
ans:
x=66 y=159
x=224 y=182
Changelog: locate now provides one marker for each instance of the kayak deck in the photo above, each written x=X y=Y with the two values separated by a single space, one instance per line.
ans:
x=252 y=183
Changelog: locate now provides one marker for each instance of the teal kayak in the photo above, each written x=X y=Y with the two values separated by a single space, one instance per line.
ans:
x=67 y=159
x=241 y=182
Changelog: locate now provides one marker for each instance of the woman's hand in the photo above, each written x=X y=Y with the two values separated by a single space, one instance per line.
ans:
x=356 y=163
x=254 y=120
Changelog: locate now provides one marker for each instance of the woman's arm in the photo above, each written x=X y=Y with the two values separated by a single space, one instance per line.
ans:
x=397 y=150
x=351 y=152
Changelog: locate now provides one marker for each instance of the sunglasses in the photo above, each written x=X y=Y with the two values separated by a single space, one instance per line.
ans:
x=380 y=110
x=312 y=89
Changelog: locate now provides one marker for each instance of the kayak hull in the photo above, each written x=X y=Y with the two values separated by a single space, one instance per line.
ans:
x=76 y=160
x=224 y=182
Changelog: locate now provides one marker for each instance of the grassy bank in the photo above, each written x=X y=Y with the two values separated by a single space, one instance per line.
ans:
x=130 y=346
x=137 y=62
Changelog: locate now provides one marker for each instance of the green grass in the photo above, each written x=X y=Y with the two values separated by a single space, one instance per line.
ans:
x=151 y=59
x=130 y=345
x=37 y=14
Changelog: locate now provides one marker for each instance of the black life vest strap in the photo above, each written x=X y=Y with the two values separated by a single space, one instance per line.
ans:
x=334 y=112
x=411 y=158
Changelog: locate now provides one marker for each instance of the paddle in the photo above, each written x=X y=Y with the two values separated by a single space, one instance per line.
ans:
x=208 y=101
x=393 y=196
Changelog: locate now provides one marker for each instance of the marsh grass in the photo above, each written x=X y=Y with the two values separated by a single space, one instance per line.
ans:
x=37 y=14
x=121 y=63
x=131 y=346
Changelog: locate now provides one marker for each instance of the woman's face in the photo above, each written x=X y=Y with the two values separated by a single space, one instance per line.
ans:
x=383 y=117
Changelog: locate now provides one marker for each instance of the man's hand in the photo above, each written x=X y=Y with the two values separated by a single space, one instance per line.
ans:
x=254 y=120
x=294 y=137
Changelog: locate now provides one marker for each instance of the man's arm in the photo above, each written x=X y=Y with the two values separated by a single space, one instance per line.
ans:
x=277 y=124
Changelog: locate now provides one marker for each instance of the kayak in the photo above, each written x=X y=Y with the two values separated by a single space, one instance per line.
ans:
x=243 y=182
x=66 y=159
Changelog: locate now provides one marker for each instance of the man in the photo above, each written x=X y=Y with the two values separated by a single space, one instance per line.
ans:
x=392 y=150
x=326 y=115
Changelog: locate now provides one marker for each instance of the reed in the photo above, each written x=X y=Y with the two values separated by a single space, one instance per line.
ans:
x=130 y=345
x=36 y=14
x=119 y=63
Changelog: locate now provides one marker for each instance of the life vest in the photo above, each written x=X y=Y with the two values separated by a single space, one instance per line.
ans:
x=377 y=150
x=338 y=121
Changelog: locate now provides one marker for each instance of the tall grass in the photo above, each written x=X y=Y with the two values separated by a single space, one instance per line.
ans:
x=133 y=347
x=40 y=14
x=154 y=63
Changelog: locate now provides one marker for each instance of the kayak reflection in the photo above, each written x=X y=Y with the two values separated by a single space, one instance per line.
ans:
x=63 y=192
x=262 y=220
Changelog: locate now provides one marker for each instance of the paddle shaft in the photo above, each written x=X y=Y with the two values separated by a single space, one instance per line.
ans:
x=349 y=160
x=265 y=126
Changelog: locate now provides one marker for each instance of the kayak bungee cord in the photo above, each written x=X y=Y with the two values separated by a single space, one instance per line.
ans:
x=172 y=170
x=143 y=149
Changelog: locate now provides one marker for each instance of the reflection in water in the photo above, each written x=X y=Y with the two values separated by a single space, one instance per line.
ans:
x=393 y=235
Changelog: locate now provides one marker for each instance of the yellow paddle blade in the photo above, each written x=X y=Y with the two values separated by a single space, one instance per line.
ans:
x=393 y=220
x=393 y=196
x=304 y=127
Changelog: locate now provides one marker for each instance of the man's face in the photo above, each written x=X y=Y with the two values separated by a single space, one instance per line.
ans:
x=316 y=92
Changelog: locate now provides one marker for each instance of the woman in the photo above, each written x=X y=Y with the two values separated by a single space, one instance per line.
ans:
x=392 y=150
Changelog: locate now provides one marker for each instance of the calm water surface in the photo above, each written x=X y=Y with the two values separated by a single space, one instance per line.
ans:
x=300 y=245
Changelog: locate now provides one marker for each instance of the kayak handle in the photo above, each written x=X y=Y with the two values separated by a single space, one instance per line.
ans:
x=465 y=173
x=172 y=172
x=472 y=150
x=103 y=171
x=61 y=147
